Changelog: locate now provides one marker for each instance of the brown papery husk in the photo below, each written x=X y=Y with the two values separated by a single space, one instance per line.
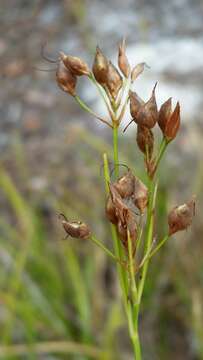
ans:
x=65 y=79
x=148 y=113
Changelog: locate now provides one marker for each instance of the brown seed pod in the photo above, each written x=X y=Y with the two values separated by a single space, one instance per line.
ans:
x=114 y=80
x=123 y=63
x=145 y=140
x=148 y=113
x=172 y=124
x=164 y=114
x=100 y=67
x=75 y=229
x=125 y=184
x=111 y=211
x=130 y=225
x=140 y=196
x=120 y=207
x=180 y=217
x=136 y=104
x=77 y=66
x=65 y=79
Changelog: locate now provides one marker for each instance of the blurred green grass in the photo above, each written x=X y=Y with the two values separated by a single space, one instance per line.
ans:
x=59 y=299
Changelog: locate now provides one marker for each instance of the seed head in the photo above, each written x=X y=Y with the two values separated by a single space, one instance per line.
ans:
x=77 y=66
x=123 y=63
x=164 y=114
x=173 y=124
x=148 y=113
x=76 y=229
x=125 y=185
x=65 y=79
x=128 y=225
x=100 y=67
x=114 y=80
x=145 y=140
x=110 y=211
x=140 y=196
x=180 y=217
x=135 y=104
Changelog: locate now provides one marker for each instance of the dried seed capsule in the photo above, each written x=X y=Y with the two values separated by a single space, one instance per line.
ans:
x=111 y=211
x=120 y=207
x=164 y=114
x=65 y=79
x=180 y=217
x=137 y=70
x=76 y=229
x=125 y=185
x=100 y=67
x=114 y=80
x=130 y=225
x=173 y=124
x=140 y=196
x=148 y=113
x=135 y=104
x=123 y=63
x=145 y=140
x=77 y=66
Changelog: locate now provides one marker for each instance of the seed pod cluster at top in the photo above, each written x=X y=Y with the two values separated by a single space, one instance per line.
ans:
x=146 y=115
x=126 y=194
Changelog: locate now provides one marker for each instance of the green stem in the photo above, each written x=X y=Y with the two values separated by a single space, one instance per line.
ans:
x=162 y=242
x=117 y=245
x=162 y=149
x=104 y=248
x=115 y=150
x=149 y=237
x=90 y=111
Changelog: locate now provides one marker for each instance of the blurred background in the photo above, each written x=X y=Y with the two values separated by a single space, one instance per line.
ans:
x=60 y=299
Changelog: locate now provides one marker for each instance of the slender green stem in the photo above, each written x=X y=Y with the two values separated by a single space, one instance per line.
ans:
x=162 y=149
x=132 y=272
x=149 y=237
x=90 y=111
x=102 y=93
x=115 y=150
x=104 y=248
x=162 y=242
x=117 y=245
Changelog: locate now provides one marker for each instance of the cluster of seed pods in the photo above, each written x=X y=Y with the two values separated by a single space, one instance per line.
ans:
x=126 y=195
x=128 y=191
x=146 y=116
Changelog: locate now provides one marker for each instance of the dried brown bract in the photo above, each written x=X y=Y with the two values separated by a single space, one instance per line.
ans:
x=145 y=140
x=137 y=70
x=75 y=229
x=77 y=66
x=180 y=217
x=100 y=67
x=65 y=79
x=123 y=63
